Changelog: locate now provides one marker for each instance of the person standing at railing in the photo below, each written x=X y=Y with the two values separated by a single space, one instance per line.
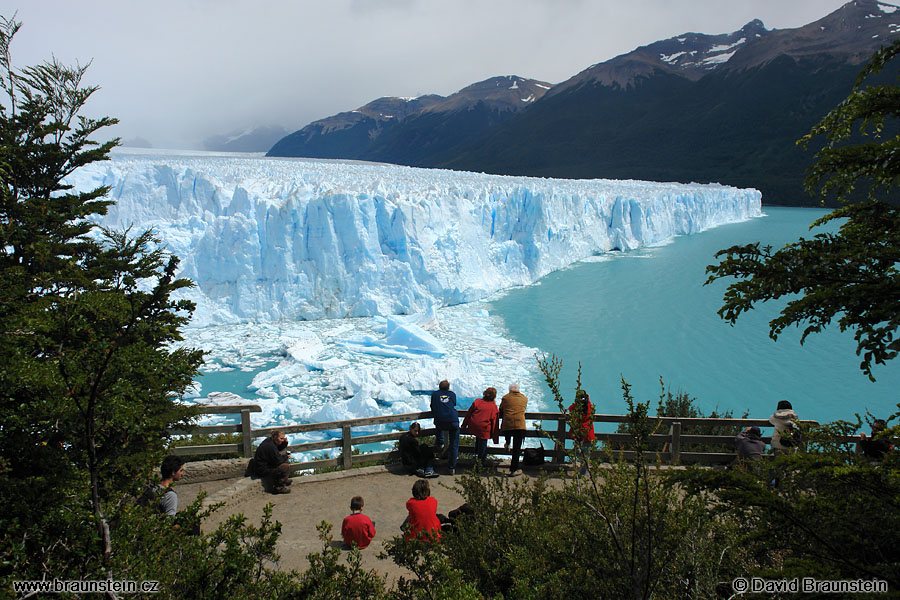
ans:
x=787 y=429
x=483 y=421
x=271 y=462
x=582 y=433
x=446 y=420
x=875 y=446
x=750 y=445
x=512 y=412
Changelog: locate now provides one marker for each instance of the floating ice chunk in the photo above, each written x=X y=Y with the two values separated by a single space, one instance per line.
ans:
x=304 y=347
x=359 y=406
x=328 y=363
x=412 y=337
x=287 y=369
x=404 y=340
x=222 y=399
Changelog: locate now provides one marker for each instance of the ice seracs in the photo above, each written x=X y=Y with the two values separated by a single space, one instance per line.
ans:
x=273 y=239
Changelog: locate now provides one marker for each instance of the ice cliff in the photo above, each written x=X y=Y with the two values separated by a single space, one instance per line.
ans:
x=271 y=239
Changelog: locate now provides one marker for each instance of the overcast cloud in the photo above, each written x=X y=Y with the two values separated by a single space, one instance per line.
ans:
x=177 y=71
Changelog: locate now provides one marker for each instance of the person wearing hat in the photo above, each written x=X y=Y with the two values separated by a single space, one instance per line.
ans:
x=784 y=419
x=750 y=445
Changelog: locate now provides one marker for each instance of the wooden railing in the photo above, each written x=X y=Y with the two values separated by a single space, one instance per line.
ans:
x=670 y=440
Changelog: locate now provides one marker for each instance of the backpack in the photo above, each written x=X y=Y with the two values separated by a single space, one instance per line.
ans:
x=790 y=437
x=533 y=456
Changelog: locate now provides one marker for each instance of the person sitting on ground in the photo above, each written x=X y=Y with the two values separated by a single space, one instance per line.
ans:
x=357 y=528
x=750 y=445
x=446 y=419
x=423 y=521
x=786 y=428
x=483 y=421
x=874 y=447
x=512 y=412
x=416 y=457
x=271 y=463
x=582 y=434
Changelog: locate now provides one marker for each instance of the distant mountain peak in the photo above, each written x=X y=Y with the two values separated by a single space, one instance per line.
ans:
x=852 y=32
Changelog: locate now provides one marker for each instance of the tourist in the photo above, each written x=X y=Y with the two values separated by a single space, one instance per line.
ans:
x=271 y=463
x=582 y=433
x=512 y=413
x=482 y=421
x=446 y=420
x=423 y=521
x=875 y=446
x=416 y=457
x=171 y=470
x=750 y=445
x=787 y=428
x=357 y=529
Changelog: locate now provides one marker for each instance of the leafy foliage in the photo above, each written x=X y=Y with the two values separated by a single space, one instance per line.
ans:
x=830 y=516
x=88 y=378
x=327 y=578
x=620 y=532
x=851 y=275
x=237 y=560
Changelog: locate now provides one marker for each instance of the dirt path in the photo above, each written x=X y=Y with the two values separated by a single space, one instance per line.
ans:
x=326 y=497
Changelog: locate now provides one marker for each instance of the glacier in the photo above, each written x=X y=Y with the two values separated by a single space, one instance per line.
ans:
x=342 y=290
x=269 y=239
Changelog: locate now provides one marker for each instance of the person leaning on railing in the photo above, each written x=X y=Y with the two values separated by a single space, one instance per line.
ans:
x=750 y=445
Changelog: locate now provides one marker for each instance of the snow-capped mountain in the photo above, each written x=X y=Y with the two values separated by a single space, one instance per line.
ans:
x=852 y=33
x=695 y=107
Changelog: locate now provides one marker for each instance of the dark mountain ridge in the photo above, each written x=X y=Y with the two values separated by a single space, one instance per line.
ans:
x=695 y=107
x=382 y=127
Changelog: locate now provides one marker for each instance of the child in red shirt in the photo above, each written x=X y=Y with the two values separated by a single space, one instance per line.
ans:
x=357 y=528
x=423 y=517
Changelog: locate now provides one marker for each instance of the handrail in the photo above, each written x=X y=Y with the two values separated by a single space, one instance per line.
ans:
x=672 y=440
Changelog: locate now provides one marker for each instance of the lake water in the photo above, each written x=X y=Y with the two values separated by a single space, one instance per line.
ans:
x=645 y=314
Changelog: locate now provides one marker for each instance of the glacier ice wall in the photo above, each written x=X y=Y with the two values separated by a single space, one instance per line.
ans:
x=271 y=239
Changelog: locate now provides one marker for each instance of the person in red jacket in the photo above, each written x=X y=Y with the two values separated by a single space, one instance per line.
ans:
x=483 y=421
x=582 y=433
x=357 y=528
x=422 y=521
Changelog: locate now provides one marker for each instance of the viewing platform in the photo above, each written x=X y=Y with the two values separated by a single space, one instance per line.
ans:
x=325 y=496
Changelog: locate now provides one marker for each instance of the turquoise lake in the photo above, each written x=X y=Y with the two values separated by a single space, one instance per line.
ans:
x=646 y=314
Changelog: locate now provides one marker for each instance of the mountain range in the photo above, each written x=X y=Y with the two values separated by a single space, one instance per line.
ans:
x=726 y=108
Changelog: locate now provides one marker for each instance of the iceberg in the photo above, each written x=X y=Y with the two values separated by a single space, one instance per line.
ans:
x=268 y=239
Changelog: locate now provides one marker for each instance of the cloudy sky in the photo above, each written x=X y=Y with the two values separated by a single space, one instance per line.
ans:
x=176 y=71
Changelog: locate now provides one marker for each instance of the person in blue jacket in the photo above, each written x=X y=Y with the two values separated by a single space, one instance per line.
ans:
x=446 y=419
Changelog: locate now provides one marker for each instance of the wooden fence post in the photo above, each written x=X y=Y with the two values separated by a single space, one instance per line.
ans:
x=245 y=433
x=560 y=446
x=346 y=452
x=675 y=449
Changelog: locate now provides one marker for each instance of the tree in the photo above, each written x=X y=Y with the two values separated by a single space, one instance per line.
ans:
x=88 y=379
x=850 y=275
